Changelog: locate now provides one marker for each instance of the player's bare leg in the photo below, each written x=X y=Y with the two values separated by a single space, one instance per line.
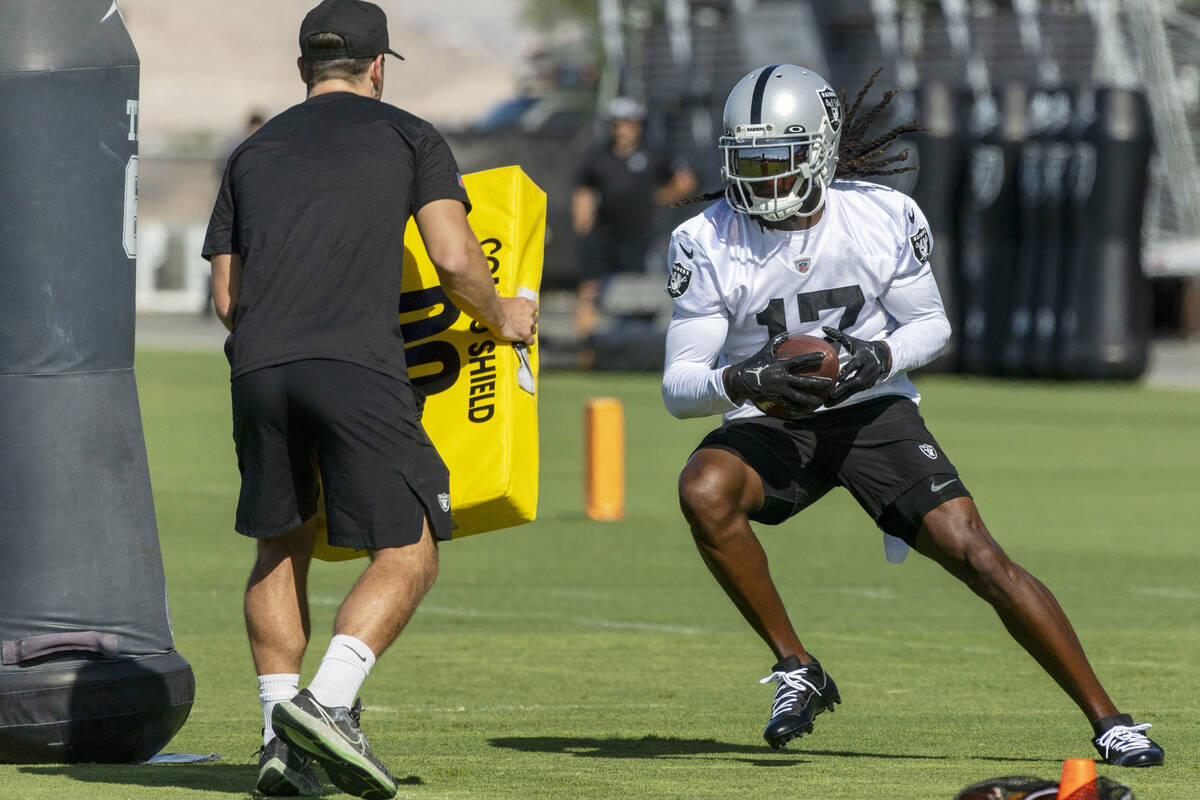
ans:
x=388 y=592
x=716 y=492
x=276 y=601
x=953 y=535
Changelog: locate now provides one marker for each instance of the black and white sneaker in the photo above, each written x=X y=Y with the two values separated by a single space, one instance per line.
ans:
x=333 y=738
x=1127 y=746
x=803 y=691
x=285 y=772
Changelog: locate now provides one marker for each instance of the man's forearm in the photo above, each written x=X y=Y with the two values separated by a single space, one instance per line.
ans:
x=226 y=286
x=474 y=293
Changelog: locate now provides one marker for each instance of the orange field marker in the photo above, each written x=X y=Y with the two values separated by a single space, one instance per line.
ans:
x=604 y=457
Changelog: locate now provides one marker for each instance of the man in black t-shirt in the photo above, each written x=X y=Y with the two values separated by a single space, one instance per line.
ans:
x=306 y=242
x=619 y=187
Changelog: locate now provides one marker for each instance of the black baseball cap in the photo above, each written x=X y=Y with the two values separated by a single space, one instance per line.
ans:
x=363 y=25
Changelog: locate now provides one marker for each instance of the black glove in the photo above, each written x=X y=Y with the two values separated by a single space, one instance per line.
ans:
x=763 y=379
x=869 y=361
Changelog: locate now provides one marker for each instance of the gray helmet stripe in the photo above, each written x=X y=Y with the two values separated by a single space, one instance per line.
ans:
x=760 y=88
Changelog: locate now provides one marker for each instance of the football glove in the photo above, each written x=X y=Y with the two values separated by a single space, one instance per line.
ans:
x=762 y=378
x=869 y=362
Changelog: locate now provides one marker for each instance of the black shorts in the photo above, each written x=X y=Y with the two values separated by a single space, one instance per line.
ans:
x=607 y=252
x=359 y=431
x=879 y=449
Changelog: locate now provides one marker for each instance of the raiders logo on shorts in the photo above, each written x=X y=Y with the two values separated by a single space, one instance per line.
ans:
x=921 y=245
x=677 y=284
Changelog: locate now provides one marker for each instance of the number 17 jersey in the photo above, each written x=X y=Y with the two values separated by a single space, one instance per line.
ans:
x=863 y=268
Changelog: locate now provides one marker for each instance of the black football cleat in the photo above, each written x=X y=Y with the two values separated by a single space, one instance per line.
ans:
x=332 y=736
x=285 y=772
x=803 y=691
x=1127 y=746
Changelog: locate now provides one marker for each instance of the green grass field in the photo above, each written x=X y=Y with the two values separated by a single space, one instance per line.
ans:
x=577 y=659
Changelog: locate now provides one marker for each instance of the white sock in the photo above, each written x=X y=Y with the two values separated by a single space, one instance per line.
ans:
x=345 y=666
x=273 y=690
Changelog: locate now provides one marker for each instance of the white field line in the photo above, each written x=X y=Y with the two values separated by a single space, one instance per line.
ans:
x=869 y=592
x=922 y=645
x=418 y=709
x=1168 y=592
x=582 y=594
x=599 y=622
x=877 y=641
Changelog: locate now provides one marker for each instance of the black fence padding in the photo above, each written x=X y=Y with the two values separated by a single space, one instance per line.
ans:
x=78 y=539
x=1041 y=168
x=938 y=154
x=1105 y=303
x=988 y=220
x=1057 y=150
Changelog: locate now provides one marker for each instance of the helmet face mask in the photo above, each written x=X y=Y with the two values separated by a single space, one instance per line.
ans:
x=782 y=125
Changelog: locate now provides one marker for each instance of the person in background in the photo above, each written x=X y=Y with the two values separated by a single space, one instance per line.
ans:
x=620 y=185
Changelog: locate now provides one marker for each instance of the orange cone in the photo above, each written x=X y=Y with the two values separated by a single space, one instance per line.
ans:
x=1078 y=780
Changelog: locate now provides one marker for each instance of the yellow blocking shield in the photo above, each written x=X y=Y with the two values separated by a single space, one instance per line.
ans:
x=481 y=406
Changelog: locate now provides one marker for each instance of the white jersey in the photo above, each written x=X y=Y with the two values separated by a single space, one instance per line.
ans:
x=863 y=268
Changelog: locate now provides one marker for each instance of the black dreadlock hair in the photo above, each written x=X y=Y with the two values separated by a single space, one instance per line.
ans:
x=856 y=158
x=859 y=158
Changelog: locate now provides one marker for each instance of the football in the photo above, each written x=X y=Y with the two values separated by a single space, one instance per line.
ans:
x=797 y=346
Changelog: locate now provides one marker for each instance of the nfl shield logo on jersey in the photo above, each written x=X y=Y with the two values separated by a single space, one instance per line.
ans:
x=677 y=284
x=802 y=265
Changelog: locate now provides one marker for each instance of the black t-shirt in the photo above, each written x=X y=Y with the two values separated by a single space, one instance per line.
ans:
x=626 y=189
x=315 y=203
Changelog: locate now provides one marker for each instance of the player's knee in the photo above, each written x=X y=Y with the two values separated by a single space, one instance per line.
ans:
x=707 y=491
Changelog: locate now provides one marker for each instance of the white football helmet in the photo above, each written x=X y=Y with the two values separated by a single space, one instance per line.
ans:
x=782 y=125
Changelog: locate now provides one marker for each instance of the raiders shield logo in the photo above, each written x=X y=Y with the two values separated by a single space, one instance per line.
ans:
x=677 y=284
x=833 y=107
x=929 y=451
x=921 y=245
x=444 y=501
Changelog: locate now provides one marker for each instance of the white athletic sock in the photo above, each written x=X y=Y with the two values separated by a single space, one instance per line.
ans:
x=345 y=666
x=272 y=690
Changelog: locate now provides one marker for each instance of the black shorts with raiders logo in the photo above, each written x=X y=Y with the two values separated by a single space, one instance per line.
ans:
x=317 y=423
x=880 y=450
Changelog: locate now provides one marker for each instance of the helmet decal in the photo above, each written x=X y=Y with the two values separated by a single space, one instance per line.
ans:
x=760 y=88
x=833 y=107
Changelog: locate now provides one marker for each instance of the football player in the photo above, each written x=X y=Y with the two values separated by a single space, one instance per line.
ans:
x=798 y=243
